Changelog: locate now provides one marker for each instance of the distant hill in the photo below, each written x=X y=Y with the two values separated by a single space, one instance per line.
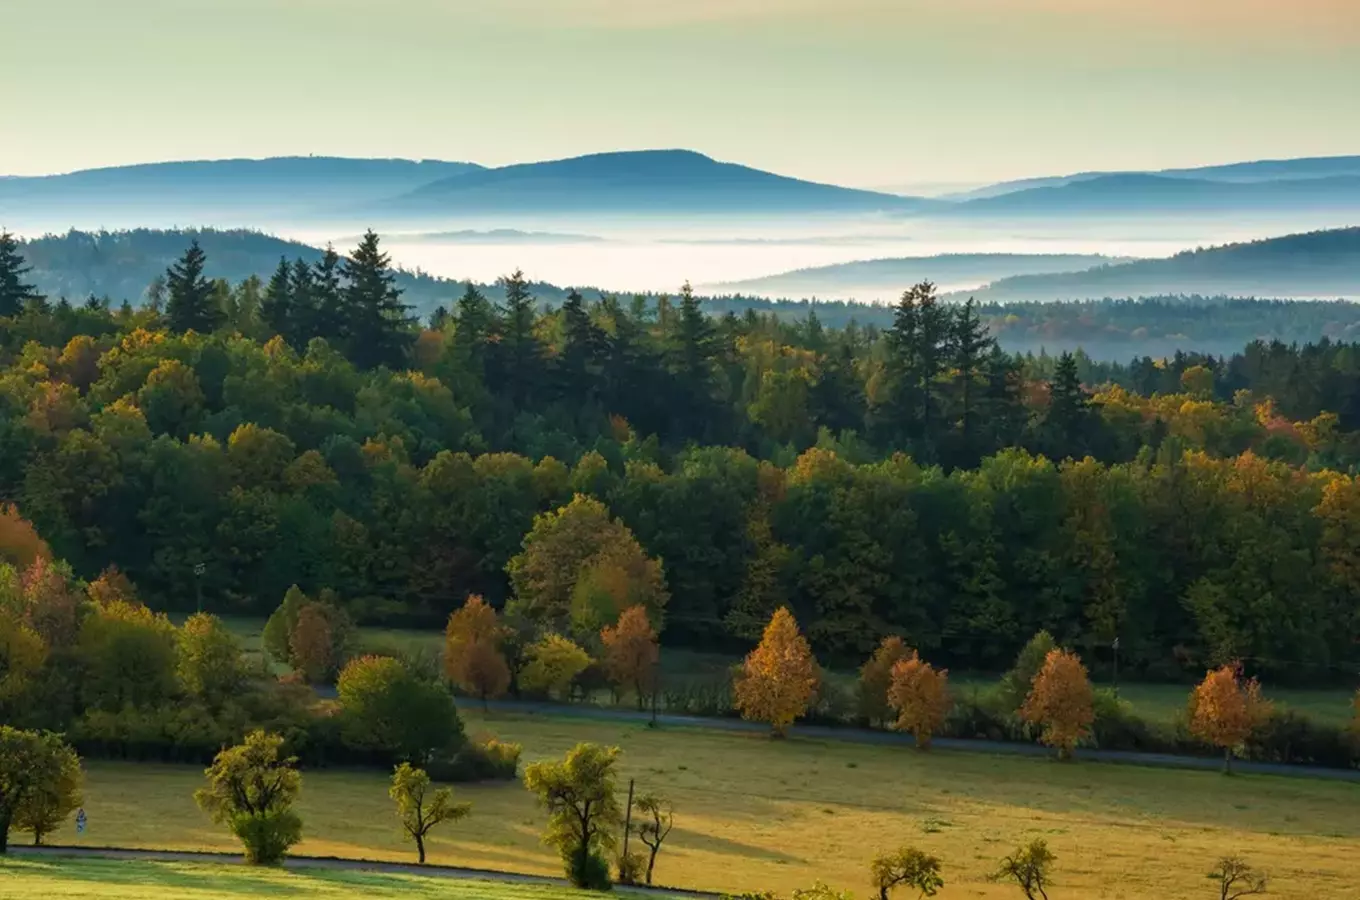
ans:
x=1261 y=170
x=1141 y=194
x=1317 y=264
x=120 y=265
x=884 y=278
x=496 y=236
x=210 y=190
x=644 y=183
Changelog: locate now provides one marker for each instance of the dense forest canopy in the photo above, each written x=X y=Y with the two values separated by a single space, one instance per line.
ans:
x=913 y=479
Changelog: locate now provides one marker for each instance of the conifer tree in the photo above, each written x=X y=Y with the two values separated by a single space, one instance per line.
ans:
x=302 y=304
x=276 y=307
x=14 y=291
x=579 y=363
x=519 y=355
x=969 y=346
x=328 y=299
x=376 y=324
x=191 y=303
x=1066 y=423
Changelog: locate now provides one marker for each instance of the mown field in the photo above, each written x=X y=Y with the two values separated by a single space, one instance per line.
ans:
x=76 y=879
x=755 y=814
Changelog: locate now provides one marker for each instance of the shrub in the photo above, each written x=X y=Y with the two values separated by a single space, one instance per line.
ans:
x=397 y=717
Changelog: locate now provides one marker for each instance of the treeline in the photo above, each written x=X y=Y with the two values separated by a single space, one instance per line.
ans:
x=875 y=483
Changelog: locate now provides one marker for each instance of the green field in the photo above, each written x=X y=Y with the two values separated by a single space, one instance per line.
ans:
x=134 y=880
x=756 y=814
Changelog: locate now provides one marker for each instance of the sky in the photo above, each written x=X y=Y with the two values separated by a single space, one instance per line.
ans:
x=861 y=92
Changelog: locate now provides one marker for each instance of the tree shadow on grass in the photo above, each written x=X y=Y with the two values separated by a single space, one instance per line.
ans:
x=698 y=840
x=174 y=876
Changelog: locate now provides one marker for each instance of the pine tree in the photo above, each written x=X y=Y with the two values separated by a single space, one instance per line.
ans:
x=474 y=325
x=579 y=363
x=519 y=354
x=276 y=307
x=969 y=348
x=191 y=303
x=302 y=306
x=376 y=325
x=14 y=292
x=328 y=299
x=692 y=341
x=1066 y=424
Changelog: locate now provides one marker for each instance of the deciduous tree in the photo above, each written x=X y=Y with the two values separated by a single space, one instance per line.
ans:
x=580 y=796
x=780 y=677
x=210 y=662
x=421 y=809
x=631 y=653
x=58 y=793
x=392 y=713
x=1061 y=702
x=1030 y=867
x=20 y=544
x=920 y=695
x=552 y=663
x=656 y=819
x=875 y=678
x=129 y=655
x=907 y=867
x=251 y=789
x=472 y=650
x=1237 y=878
x=34 y=767
x=1225 y=709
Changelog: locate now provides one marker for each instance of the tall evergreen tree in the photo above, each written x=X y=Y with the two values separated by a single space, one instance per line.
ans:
x=328 y=299
x=968 y=349
x=691 y=346
x=580 y=359
x=14 y=292
x=378 y=329
x=302 y=306
x=191 y=303
x=518 y=360
x=1067 y=422
x=276 y=308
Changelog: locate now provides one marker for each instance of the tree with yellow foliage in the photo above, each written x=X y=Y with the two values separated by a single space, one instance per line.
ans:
x=472 y=650
x=875 y=679
x=780 y=677
x=920 y=694
x=553 y=662
x=1061 y=702
x=631 y=652
x=1225 y=709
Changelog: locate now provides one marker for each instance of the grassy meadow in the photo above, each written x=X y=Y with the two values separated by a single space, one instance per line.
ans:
x=756 y=814
x=96 y=879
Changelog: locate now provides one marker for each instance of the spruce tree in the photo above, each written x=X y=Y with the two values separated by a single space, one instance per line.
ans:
x=1067 y=420
x=14 y=291
x=302 y=304
x=276 y=309
x=191 y=303
x=376 y=324
x=519 y=355
x=969 y=347
x=328 y=299
x=579 y=362
x=692 y=347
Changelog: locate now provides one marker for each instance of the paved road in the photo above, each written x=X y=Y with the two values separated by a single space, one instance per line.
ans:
x=324 y=862
x=865 y=736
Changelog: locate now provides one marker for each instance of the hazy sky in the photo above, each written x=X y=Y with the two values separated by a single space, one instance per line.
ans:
x=868 y=92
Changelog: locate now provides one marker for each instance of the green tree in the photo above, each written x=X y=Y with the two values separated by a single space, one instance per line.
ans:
x=518 y=360
x=35 y=771
x=129 y=655
x=58 y=793
x=377 y=325
x=1030 y=868
x=191 y=303
x=1016 y=684
x=421 y=809
x=276 y=307
x=251 y=789
x=656 y=818
x=14 y=292
x=210 y=661
x=390 y=712
x=1067 y=423
x=907 y=867
x=579 y=794
x=551 y=666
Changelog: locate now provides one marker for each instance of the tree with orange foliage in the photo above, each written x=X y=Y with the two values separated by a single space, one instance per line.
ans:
x=1225 y=709
x=631 y=652
x=472 y=650
x=111 y=585
x=1061 y=702
x=312 y=643
x=876 y=678
x=20 y=544
x=780 y=677
x=920 y=694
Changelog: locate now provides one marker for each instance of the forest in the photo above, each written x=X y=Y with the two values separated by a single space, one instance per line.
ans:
x=226 y=441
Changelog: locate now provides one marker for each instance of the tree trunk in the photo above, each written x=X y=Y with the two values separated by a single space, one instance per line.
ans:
x=4 y=831
x=1227 y=760
x=420 y=848
x=651 y=864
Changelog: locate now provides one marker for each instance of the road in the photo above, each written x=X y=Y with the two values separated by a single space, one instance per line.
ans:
x=325 y=862
x=865 y=736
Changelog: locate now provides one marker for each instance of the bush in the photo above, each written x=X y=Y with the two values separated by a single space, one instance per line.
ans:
x=267 y=836
x=488 y=760
x=1288 y=737
x=630 y=868
x=589 y=872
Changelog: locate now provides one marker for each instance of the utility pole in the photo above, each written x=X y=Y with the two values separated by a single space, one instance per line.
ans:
x=628 y=820
x=656 y=689
x=1114 y=645
x=199 y=569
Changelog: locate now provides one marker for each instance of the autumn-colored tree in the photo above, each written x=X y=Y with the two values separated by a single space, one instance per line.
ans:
x=581 y=798
x=1225 y=709
x=920 y=695
x=52 y=606
x=210 y=661
x=22 y=654
x=631 y=652
x=472 y=650
x=1030 y=867
x=875 y=678
x=251 y=789
x=1061 y=702
x=420 y=808
x=780 y=677
x=907 y=867
x=20 y=544
x=312 y=645
x=112 y=585
x=551 y=665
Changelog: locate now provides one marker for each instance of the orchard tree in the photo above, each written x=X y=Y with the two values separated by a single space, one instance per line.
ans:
x=580 y=796
x=472 y=651
x=552 y=664
x=1237 y=878
x=39 y=776
x=388 y=711
x=1061 y=702
x=1226 y=709
x=656 y=819
x=908 y=867
x=631 y=653
x=1030 y=867
x=421 y=809
x=210 y=662
x=251 y=789
x=920 y=695
x=780 y=677
x=875 y=678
